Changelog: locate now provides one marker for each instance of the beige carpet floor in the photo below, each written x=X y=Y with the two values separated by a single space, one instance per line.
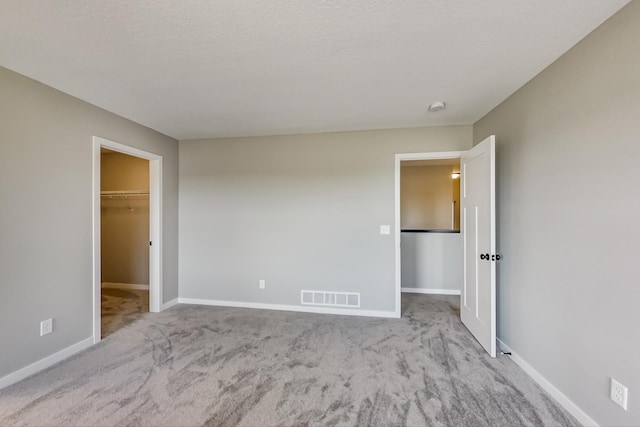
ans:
x=216 y=366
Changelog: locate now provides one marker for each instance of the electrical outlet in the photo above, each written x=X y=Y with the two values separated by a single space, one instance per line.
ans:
x=619 y=394
x=262 y=284
x=46 y=327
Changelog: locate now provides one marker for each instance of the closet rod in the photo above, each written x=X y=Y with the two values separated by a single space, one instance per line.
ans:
x=124 y=193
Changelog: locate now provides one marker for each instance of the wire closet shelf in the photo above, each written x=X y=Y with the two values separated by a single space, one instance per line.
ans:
x=124 y=194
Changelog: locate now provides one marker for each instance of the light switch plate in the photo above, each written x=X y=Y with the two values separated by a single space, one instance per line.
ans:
x=385 y=229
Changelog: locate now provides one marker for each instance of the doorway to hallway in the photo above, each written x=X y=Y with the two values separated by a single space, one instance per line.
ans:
x=478 y=230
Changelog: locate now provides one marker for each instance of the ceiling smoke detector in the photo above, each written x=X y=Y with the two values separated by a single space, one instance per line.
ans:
x=437 y=106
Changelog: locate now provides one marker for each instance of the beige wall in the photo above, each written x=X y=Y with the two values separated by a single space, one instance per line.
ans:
x=455 y=196
x=300 y=211
x=426 y=197
x=568 y=145
x=121 y=172
x=124 y=220
x=46 y=199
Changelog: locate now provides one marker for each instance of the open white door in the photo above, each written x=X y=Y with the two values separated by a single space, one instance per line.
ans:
x=478 y=297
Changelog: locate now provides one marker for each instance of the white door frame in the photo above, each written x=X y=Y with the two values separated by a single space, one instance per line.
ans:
x=400 y=158
x=155 y=227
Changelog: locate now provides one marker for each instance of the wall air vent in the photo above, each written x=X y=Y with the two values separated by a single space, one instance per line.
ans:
x=332 y=299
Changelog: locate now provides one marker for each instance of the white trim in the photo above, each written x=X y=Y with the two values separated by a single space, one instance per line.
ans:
x=136 y=286
x=97 y=267
x=155 y=226
x=155 y=235
x=560 y=397
x=396 y=227
x=494 y=231
x=169 y=304
x=284 y=307
x=398 y=260
x=42 y=364
x=431 y=291
x=435 y=155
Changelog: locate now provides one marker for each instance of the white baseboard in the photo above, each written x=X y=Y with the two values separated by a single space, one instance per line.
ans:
x=431 y=291
x=560 y=397
x=169 y=304
x=42 y=364
x=297 y=308
x=125 y=286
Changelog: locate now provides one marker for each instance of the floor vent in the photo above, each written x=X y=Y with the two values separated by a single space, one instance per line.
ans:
x=333 y=299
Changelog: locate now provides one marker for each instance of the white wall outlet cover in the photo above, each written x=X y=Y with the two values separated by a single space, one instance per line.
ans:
x=619 y=394
x=262 y=284
x=385 y=229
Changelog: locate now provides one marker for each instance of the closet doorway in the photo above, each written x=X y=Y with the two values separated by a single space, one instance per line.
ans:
x=127 y=238
x=124 y=233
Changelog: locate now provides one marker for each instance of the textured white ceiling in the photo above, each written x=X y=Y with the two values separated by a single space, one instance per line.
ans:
x=203 y=68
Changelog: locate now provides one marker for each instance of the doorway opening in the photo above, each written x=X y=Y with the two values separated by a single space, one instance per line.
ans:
x=429 y=249
x=477 y=234
x=127 y=235
x=124 y=234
